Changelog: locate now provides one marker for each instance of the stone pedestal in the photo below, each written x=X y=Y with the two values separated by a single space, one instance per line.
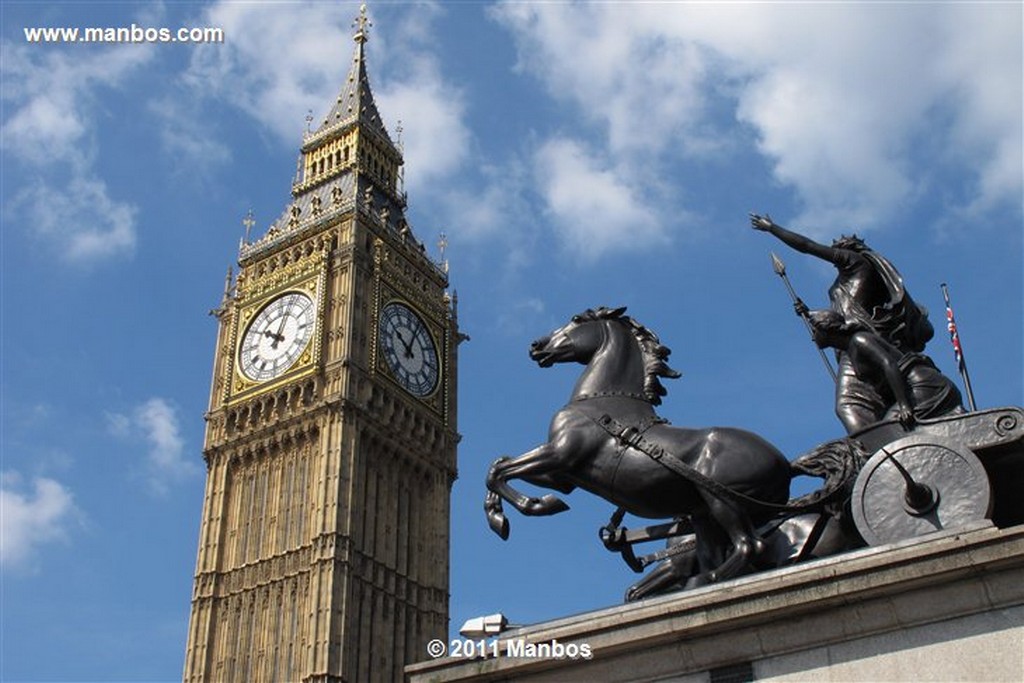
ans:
x=944 y=607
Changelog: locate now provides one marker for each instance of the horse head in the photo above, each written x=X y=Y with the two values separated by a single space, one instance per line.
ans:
x=577 y=340
x=588 y=332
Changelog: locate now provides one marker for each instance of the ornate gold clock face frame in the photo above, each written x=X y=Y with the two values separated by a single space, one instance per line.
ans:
x=277 y=336
x=409 y=349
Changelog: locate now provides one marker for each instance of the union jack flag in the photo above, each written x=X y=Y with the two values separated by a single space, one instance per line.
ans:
x=954 y=337
x=958 y=350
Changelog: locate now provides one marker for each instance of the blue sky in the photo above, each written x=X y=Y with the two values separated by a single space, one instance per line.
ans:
x=575 y=156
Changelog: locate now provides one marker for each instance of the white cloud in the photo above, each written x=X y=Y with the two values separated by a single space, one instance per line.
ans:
x=617 y=62
x=279 y=61
x=436 y=139
x=846 y=99
x=81 y=217
x=160 y=423
x=155 y=422
x=31 y=517
x=50 y=127
x=484 y=213
x=593 y=209
x=413 y=90
x=985 y=76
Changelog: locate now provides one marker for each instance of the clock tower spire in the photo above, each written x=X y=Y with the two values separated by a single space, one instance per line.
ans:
x=352 y=138
x=331 y=433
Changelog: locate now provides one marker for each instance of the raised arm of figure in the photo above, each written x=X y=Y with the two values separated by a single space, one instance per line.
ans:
x=791 y=239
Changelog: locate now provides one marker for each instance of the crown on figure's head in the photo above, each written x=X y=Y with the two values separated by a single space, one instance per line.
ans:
x=850 y=242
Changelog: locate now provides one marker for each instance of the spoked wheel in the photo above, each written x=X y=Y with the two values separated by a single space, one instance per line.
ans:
x=917 y=485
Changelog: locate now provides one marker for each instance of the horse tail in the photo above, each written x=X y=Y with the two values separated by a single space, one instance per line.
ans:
x=838 y=463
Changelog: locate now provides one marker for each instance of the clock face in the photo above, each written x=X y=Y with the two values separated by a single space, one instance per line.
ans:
x=276 y=337
x=409 y=349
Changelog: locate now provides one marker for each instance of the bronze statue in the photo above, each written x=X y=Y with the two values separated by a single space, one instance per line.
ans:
x=722 y=493
x=909 y=383
x=868 y=291
x=608 y=440
x=914 y=461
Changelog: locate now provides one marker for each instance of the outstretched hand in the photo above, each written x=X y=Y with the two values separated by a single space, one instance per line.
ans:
x=759 y=222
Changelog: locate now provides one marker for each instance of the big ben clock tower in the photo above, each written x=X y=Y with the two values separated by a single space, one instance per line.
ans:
x=331 y=434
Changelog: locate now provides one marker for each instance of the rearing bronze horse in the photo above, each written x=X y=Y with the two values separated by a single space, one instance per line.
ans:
x=608 y=440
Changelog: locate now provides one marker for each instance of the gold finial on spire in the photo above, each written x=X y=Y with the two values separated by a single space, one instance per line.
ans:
x=362 y=24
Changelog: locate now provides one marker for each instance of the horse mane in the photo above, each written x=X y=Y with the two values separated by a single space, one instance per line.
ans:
x=655 y=354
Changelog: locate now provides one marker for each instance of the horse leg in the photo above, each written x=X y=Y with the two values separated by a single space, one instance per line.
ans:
x=551 y=481
x=668 y=573
x=542 y=467
x=660 y=578
x=745 y=542
x=712 y=544
x=570 y=441
x=536 y=466
x=495 y=512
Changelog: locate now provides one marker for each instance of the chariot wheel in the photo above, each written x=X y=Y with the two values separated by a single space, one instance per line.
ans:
x=917 y=485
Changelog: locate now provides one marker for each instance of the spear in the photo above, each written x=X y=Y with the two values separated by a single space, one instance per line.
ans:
x=780 y=270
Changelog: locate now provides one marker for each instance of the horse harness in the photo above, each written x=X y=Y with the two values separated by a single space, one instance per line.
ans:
x=635 y=436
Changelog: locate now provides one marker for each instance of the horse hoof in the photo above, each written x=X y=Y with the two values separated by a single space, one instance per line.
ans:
x=499 y=525
x=551 y=504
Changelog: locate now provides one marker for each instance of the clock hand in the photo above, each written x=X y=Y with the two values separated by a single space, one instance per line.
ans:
x=406 y=344
x=278 y=338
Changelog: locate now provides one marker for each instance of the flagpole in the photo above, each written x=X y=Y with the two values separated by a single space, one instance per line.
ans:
x=958 y=352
